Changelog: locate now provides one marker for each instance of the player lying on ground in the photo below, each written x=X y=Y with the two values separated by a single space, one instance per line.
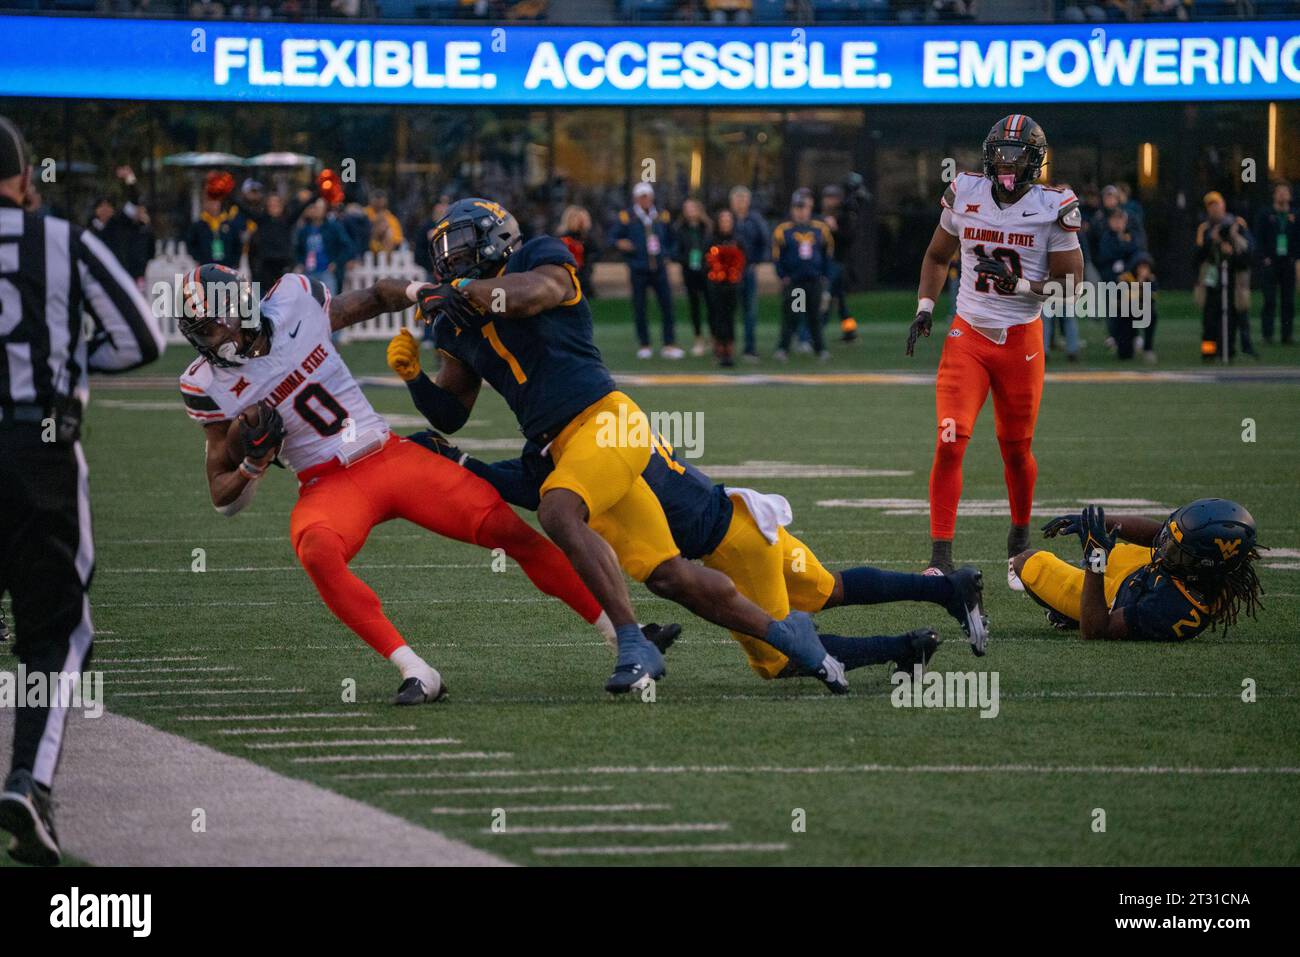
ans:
x=514 y=315
x=1016 y=239
x=740 y=533
x=269 y=382
x=1163 y=582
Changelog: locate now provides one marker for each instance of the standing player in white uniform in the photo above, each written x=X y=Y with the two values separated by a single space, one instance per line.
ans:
x=271 y=368
x=1018 y=242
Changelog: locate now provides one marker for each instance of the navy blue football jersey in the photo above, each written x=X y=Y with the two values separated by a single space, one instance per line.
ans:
x=1160 y=608
x=546 y=367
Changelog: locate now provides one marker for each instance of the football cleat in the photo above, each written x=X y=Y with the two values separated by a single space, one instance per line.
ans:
x=1013 y=580
x=967 y=606
x=639 y=664
x=805 y=648
x=661 y=636
x=1061 y=622
x=415 y=690
x=925 y=642
x=27 y=812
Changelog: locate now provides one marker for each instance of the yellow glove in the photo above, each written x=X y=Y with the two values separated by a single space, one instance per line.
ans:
x=404 y=355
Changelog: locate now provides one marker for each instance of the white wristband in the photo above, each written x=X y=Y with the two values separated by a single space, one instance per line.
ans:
x=251 y=471
x=925 y=305
x=1023 y=288
x=413 y=289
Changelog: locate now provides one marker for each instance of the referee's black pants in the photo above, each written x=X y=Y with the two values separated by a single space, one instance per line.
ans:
x=47 y=558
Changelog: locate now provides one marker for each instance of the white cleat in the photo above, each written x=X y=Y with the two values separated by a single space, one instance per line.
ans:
x=1013 y=580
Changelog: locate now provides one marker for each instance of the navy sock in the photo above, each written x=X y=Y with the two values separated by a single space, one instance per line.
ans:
x=859 y=652
x=625 y=634
x=872 y=586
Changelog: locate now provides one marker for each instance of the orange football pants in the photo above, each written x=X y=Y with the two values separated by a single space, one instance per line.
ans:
x=973 y=365
x=337 y=507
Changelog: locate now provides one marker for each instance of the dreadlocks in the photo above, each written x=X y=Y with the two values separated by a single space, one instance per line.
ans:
x=1234 y=591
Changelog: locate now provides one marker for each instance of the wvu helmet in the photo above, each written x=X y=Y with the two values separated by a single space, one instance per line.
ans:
x=473 y=240
x=219 y=314
x=1014 y=152
x=1206 y=540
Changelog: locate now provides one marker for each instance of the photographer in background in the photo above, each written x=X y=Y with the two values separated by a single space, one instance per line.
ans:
x=1223 y=248
x=1277 y=243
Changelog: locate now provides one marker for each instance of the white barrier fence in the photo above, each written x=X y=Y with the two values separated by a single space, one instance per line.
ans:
x=171 y=262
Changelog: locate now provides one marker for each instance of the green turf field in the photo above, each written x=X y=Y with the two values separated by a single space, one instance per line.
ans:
x=717 y=767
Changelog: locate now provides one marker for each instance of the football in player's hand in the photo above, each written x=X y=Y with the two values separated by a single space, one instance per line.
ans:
x=261 y=431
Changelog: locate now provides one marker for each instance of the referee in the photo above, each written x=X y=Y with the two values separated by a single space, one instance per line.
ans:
x=50 y=272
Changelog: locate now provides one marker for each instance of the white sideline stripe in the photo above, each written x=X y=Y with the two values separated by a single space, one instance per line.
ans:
x=292 y=716
x=185 y=681
x=351 y=743
x=316 y=601
x=439 y=756
x=136 y=661
x=161 y=671
x=628 y=850
x=319 y=730
x=692 y=828
x=256 y=817
x=154 y=694
x=551 y=809
x=1151 y=769
x=186 y=570
x=535 y=789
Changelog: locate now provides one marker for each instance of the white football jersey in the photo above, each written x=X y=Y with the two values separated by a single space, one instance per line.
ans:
x=326 y=415
x=1045 y=220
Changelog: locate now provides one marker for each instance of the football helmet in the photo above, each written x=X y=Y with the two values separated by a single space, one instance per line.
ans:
x=219 y=314
x=1014 y=152
x=473 y=240
x=1207 y=539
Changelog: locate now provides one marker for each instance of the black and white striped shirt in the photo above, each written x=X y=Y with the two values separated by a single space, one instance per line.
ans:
x=50 y=271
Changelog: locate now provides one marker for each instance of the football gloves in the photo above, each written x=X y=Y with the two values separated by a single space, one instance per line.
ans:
x=404 y=356
x=261 y=430
x=1097 y=541
x=444 y=299
x=997 y=272
x=920 y=327
x=1062 y=525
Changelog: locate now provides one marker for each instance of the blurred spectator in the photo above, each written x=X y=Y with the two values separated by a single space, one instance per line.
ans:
x=1223 y=248
x=694 y=235
x=575 y=233
x=218 y=235
x=1118 y=246
x=1079 y=12
x=1111 y=199
x=1144 y=273
x=802 y=250
x=644 y=236
x=385 y=230
x=730 y=11
x=422 y=257
x=321 y=246
x=271 y=247
x=1136 y=214
x=842 y=222
x=754 y=241
x=948 y=10
x=725 y=265
x=345 y=8
x=1277 y=238
x=125 y=229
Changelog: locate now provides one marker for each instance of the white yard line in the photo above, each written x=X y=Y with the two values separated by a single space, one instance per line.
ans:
x=317 y=729
x=691 y=828
x=162 y=671
x=471 y=792
x=120 y=682
x=1034 y=769
x=136 y=661
x=436 y=756
x=246 y=569
x=293 y=716
x=209 y=691
x=551 y=809
x=128 y=792
x=632 y=850
x=350 y=743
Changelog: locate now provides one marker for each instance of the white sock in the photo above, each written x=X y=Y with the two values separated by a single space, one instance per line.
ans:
x=606 y=629
x=409 y=663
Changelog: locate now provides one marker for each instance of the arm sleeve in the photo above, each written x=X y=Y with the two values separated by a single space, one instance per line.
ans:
x=127 y=335
x=512 y=480
x=443 y=410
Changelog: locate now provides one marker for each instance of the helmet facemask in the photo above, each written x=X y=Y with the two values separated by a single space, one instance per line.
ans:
x=221 y=319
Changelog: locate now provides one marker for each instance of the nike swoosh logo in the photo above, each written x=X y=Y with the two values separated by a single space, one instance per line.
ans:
x=1027 y=214
x=1027 y=358
x=295 y=329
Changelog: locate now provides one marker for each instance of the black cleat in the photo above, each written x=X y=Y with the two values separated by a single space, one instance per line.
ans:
x=967 y=606
x=27 y=812
x=415 y=691
x=661 y=636
x=925 y=642
x=1061 y=622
